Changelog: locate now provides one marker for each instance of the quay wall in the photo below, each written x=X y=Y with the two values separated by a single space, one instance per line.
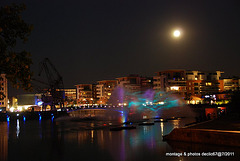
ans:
x=205 y=136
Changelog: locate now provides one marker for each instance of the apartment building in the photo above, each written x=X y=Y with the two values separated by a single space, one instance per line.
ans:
x=104 y=90
x=200 y=83
x=135 y=83
x=231 y=84
x=70 y=96
x=170 y=81
x=4 y=92
x=86 y=94
x=195 y=83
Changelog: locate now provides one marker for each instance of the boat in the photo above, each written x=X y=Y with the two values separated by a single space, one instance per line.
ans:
x=146 y=123
x=160 y=120
x=118 y=128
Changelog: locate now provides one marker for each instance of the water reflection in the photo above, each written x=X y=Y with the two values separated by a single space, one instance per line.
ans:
x=3 y=141
x=161 y=124
x=64 y=141
x=18 y=128
x=175 y=123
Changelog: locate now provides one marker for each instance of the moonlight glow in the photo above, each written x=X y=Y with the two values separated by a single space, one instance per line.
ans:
x=176 y=33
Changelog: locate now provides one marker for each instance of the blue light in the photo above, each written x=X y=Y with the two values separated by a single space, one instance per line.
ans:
x=39 y=103
x=40 y=118
x=24 y=118
x=8 y=119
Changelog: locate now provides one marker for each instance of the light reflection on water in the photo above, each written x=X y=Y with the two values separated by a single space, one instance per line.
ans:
x=64 y=141
x=18 y=128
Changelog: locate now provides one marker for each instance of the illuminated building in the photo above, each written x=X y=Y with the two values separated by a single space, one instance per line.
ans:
x=13 y=103
x=146 y=83
x=159 y=83
x=201 y=83
x=4 y=91
x=231 y=84
x=135 y=83
x=29 y=102
x=195 y=84
x=86 y=94
x=170 y=81
x=70 y=95
x=104 y=90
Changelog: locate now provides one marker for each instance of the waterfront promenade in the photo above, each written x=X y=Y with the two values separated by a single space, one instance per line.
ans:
x=221 y=131
x=227 y=123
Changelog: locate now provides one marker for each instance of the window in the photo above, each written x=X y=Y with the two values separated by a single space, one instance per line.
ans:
x=196 y=88
x=208 y=83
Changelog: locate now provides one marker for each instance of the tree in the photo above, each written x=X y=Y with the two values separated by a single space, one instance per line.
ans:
x=15 y=64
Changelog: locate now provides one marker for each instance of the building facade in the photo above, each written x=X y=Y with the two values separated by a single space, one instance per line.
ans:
x=170 y=81
x=193 y=85
x=104 y=90
x=231 y=84
x=135 y=83
x=189 y=83
x=4 y=92
x=86 y=94
x=200 y=83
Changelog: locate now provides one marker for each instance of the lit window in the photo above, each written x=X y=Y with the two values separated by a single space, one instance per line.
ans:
x=174 y=88
x=208 y=84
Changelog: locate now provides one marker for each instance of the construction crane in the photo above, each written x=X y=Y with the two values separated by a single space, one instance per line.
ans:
x=55 y=87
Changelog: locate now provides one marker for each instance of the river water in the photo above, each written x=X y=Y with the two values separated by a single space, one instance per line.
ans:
x=51 y=140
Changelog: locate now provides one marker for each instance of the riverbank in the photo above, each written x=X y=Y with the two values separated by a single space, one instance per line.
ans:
x=221 y=131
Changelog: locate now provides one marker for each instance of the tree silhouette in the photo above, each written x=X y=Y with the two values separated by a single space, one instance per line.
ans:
x=13 y=30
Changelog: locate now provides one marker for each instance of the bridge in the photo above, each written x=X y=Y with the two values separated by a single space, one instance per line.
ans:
x=95 y=112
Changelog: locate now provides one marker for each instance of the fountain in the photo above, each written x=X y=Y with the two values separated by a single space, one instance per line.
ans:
x=149 y=104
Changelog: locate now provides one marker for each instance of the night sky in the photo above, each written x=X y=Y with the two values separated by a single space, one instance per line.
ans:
x=95 y=40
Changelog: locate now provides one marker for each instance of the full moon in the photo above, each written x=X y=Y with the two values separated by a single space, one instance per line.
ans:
x=176 y=33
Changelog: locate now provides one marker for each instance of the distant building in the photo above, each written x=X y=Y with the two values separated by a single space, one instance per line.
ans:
x=146 y=83
x=104 y=90
x=231 y=84
x=170 y=81
x=4 y=92
x=135 y=83
x=29 y=102
x=70 y=96
x=86 y=94
x=160 y=83
x=189 y=83
x=201 y=83
x=13 y=102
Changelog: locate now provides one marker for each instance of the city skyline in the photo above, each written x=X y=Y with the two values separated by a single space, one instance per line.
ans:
x=92 y=41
